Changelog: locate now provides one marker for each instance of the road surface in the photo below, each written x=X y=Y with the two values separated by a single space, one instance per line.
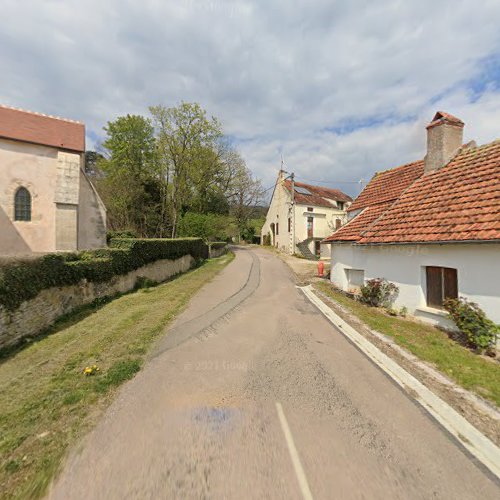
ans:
x=253 y=394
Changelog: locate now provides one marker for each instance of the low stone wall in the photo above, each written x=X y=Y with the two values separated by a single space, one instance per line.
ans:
x=217 y=252
x=36 y=315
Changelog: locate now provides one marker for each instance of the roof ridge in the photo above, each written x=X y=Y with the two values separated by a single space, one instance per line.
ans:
x=69 y=120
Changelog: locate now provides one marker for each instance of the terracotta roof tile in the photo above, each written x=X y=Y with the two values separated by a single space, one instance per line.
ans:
x=42 y=129
x=318 y=195
x=459 y=202
x=388 y=185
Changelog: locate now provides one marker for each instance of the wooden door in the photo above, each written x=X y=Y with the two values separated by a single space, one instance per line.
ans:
x=310 y=227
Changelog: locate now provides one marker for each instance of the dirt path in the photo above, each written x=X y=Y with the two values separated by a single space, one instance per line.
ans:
x=253 y=394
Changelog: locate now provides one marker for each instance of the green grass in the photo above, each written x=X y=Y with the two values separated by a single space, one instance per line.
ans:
x=47 y=403
x=467 y=369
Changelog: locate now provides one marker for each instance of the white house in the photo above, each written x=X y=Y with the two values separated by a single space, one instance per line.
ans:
x=47 y=203
x=301 y=216
x=432 y=227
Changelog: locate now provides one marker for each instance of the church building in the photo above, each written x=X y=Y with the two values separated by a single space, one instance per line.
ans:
x=47 y=203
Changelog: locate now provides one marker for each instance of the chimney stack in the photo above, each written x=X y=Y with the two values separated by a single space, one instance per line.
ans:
x=444 y=138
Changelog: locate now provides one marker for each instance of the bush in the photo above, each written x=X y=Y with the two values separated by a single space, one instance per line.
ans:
x=210 y=227
x=266 y=240
x=126 y=233
x=481 y=333
x=378 y=292
x=23 y=280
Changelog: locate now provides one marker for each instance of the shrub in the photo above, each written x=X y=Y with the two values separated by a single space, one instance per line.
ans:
x=266 y=240
x=378 y=292
x=481 y=333
x=125 y=233
x=22 y=280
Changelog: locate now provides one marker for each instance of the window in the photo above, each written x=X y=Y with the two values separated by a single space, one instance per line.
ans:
x=338 y=224
x=442 y=284
x=289 y=224
x=310 y=209
x=22 y=205
x=277 y=229
x=355 y=278
x=340 y=205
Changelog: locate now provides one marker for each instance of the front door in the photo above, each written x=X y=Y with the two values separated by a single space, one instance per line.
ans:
x=310 y=227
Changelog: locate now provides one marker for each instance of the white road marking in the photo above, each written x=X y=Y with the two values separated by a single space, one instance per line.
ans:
x=299 y=471
x=474 y=441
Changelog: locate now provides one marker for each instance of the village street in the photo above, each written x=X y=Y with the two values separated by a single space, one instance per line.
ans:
x=253 y=394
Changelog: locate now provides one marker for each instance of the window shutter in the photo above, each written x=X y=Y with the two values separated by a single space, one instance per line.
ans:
x=434 y=286
x=450 y=283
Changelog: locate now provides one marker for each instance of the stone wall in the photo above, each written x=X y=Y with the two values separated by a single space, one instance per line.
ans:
x=36 y=315
x=217 y=252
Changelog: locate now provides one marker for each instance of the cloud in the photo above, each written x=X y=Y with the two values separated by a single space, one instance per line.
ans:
x=341 y=88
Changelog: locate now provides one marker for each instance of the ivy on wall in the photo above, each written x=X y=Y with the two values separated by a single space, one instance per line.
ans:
x=23 y=280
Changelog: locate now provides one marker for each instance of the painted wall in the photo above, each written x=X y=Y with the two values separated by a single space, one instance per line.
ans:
x=279 y=212
x=66 y=213
x=478 y=270
x=35 y=168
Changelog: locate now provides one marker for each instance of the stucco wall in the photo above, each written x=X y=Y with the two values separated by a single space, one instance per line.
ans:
x=35 y=315
x=35 y=168
x=279 y=211
x=477 y=267
x=91 y=217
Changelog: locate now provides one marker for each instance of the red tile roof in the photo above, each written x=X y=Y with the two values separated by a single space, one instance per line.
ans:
x=383 y=190
x=42 y=129
x=388 y=185
x=441 y=117
x=317 y=196
x=459 y=202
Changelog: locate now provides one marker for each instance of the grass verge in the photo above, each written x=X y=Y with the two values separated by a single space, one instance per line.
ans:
x=47 y=403
x=467 y=369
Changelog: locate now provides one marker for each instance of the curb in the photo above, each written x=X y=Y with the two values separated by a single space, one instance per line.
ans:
x=466 y=434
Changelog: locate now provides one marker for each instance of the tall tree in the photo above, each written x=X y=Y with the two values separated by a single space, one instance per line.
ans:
x=186 y=145
x=129 y=186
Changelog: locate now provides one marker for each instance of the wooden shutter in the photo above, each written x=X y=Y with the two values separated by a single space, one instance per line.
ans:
x=450 y=283
x=434 y=286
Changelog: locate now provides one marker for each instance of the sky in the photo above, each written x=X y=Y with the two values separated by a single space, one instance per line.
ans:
x=341 y=89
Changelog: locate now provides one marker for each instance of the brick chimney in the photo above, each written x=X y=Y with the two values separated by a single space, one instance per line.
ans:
x=444 y=138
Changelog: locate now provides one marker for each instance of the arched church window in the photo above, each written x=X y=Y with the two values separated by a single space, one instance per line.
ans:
x=22 y=205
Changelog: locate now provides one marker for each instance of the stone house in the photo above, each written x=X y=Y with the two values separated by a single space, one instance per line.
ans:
x=47 y=203
x=299 y=218
x=432 y=227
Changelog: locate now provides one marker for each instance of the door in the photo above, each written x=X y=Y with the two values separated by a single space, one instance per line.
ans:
x=310 y=227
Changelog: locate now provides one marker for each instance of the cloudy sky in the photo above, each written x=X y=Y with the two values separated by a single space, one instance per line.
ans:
x=341 y=88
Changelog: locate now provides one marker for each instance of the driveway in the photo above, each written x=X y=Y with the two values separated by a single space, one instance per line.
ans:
x=253 y=394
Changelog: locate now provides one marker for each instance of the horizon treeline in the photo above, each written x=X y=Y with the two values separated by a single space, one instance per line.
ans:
x=174 y=173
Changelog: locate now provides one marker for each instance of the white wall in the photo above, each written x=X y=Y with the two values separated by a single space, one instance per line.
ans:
x=478 y=270
x=279 y=211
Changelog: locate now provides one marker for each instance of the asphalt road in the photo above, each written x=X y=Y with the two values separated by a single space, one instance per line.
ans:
x=253 y=394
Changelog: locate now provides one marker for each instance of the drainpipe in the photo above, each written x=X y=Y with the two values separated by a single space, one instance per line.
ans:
x=292 y=177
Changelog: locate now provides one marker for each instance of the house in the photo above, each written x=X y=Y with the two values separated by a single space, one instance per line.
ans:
x=47 y=203
x=300 y=216
x=432 y=227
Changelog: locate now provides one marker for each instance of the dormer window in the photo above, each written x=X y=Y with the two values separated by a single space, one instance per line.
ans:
x=340 y=205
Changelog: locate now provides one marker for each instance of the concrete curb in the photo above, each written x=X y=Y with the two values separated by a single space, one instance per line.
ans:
x=466 y=434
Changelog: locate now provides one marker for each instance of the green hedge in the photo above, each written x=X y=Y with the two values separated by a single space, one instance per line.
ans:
x=23 y=280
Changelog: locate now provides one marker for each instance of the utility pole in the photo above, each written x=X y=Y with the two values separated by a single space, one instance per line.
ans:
x=292 y=178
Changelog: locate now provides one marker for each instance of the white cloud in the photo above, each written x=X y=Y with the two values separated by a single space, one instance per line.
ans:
x=282 y=75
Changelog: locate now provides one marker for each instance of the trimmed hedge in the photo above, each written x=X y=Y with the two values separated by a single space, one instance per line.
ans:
x=23 y=280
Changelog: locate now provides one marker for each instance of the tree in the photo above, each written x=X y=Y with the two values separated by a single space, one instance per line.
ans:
x=131 y=182
x=186 y=149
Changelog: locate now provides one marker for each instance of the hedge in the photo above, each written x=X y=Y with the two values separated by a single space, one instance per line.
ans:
x=22 y=280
